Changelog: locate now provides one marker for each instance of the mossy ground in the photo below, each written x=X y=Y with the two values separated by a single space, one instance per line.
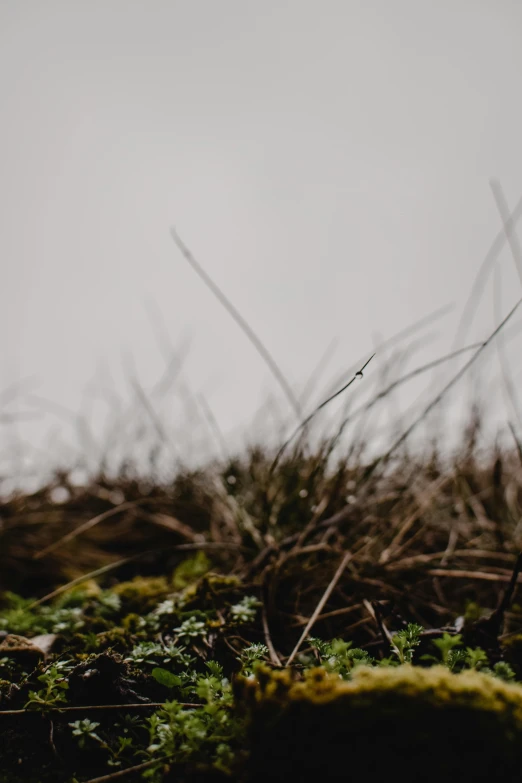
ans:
x=429 y=723
x=133 y=621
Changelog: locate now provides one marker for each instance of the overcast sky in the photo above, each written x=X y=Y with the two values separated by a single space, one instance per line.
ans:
x=328 y=163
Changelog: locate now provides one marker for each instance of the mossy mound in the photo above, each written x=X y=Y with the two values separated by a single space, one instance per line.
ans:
x=431 y=724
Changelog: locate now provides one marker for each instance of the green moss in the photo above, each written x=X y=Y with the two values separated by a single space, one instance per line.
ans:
x=131 y=622
x=190 y=570
x=141 y=594
x=212 y=591
x=464 y=726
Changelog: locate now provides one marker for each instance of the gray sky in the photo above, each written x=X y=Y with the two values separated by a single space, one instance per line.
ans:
x=327 y=163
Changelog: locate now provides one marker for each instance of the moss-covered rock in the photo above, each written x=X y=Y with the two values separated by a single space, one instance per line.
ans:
x=432 y=724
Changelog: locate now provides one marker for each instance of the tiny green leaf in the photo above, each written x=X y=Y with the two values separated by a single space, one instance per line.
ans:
x=166 y=678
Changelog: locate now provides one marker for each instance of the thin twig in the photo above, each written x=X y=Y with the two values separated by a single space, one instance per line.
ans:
x=123 y=772
x=210 y=545
x=509 y=390
x=387 y=553
x=79 y=580
x=461 y=574
x=374 y=611
x=174 y=524
x=516 y=253
x=367 y=406
x=321 y=508
x=326 y=595
x=90 y=707
x=51 y=740
x=214 y=427
x=485 y=268
x=93 y=522
x=441 y=394
x=406 y=562
x=396 y=338
x=358 y=374
x=174 y=360
x=517 y=442
x=238 y=318
x=151 y=413
x=509 y=232
x=268 y=639
x=327 y=615
x=317 y=372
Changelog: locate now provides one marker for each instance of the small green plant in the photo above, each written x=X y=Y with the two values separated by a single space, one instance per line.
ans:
x=337 y=656
x=446 y=645
x=404 y=642
x=85 y=729
x=191 y=629
x=152 y=653
x=251 y=657
x=17 y=617
x=166 y=678
x=476 y=658
x=470 y=658
x=165 y=608
x=109 y=603
x=502 y=670
x=53 y=693
x=457 y=660
x=245 y=611
x=206 y=734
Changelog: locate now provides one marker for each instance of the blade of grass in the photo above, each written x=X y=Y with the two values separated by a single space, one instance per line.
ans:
x=241 y=322
x=484 y=271
x=384 y=458
x=300 y=427
x=317 y=611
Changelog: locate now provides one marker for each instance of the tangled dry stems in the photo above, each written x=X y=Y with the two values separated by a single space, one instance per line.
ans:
x=425 y=535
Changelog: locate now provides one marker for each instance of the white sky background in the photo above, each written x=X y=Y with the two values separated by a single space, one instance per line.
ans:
x=326 y=162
